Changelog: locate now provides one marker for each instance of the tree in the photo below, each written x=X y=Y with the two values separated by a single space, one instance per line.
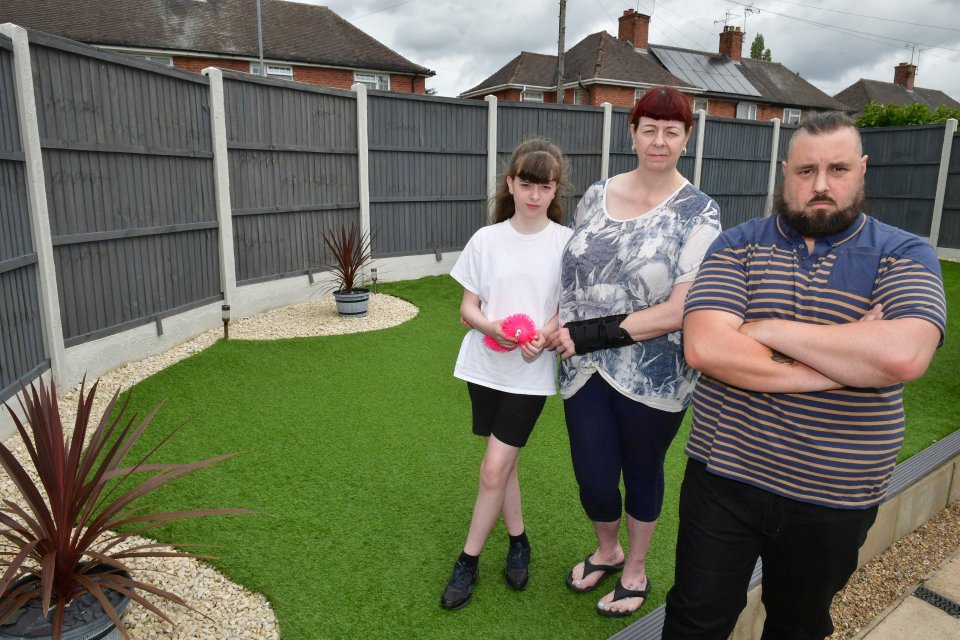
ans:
x=757 y=52
x=889 y=115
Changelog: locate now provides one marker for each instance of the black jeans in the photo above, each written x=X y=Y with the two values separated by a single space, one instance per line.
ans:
x=808 y=552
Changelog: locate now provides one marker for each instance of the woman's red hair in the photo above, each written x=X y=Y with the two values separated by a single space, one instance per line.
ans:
x=663 y=103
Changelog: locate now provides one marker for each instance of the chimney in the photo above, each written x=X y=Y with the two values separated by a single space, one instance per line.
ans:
x=904 y=74
x=633 y=29
x=731 y=42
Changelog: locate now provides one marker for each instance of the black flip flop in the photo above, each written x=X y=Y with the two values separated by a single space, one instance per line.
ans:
x=588 y=568
x=620 y=592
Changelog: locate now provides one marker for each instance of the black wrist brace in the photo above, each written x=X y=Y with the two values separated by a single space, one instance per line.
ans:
x=599 y=333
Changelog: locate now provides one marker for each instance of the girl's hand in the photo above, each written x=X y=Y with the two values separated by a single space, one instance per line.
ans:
x=560 y=342
x=533 y=348
x=493 y=329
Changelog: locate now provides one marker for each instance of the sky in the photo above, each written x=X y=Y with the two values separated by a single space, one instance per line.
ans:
x=830 y=44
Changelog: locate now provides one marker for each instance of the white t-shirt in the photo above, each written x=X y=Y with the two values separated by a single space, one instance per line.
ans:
x=511 y=273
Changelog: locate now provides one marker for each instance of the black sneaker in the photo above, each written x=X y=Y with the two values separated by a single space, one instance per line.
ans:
x=516 y=569
x=460 y=588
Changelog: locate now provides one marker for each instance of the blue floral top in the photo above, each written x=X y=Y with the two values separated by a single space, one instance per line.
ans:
x=621 y=266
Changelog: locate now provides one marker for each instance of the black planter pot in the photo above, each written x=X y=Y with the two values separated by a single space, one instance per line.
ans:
x=84 y=619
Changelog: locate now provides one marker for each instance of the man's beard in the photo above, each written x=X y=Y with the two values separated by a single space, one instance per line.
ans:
x=819 y=225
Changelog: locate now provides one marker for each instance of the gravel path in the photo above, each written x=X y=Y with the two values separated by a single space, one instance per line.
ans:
x=227 y=610
x=881 y=582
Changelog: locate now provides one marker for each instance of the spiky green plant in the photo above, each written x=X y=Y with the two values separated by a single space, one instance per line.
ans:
x=80 y=509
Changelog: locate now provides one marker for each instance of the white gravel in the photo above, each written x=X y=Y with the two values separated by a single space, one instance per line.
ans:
x=223 y=609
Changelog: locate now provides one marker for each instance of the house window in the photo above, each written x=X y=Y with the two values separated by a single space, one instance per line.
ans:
x=532 y=96
x=379 y=81
x=746 y=111
x=637 y=94
x=578 y=96
x=166 y=61
x=700 y=104
x=791 y=116
x=282 y=71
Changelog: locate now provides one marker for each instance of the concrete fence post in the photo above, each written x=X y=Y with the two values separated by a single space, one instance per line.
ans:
x=491 y=156
x=363 y=157
x=221 y=185
x=607 y=129
x=698 y=160
x=37 y=202
x=772 y=174
x=949 y=130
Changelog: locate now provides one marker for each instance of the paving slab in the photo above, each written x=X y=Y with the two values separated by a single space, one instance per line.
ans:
x=947 y=581
x=914 y=618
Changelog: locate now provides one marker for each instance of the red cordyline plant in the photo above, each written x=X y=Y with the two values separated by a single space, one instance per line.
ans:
x=351 y=252
x=65 y=543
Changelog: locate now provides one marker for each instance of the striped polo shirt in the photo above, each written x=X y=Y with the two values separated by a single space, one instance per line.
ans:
x=832 y=448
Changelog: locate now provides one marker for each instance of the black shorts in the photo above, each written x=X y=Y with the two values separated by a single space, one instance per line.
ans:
x=508 y=416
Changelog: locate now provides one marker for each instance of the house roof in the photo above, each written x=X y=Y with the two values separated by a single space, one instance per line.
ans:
x=780 y=85
x=598 y=56
x=863 y=92
x=292 y=31
x=712 y=71
x=527 y=69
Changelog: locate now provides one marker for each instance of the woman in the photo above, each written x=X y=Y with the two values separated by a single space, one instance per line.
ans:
x=639 y=238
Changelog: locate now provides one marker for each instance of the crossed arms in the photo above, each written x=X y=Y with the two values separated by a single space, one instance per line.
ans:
x=786 y=356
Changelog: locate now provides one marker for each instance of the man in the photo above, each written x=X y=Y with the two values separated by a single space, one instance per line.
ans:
x=804 y=324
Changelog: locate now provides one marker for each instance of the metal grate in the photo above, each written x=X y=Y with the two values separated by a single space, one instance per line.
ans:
x=940 y=602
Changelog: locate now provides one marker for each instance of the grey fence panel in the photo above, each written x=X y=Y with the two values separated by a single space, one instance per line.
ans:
x=736 y=165
x=902 y=171
x=950 y=220
x=622 y=157
x=293 y=173
x=578 y=131
x=127 y=156
x=286 y=243
x=174 y=272
x=427 y=172
x=22 y=353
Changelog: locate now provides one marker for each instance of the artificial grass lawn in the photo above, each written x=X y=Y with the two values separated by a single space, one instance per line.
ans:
x=357 y=450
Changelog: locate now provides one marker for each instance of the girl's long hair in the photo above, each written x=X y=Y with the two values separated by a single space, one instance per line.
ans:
x=539 y=161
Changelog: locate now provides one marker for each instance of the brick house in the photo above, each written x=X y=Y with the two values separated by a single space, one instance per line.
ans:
x=901 y=92
x=301 y=42
x=601 y=68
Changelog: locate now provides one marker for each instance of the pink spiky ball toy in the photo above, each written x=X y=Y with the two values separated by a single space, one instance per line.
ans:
x=520 y=326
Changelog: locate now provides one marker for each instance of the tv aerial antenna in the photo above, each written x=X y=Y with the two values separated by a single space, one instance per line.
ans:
x=747 y=12
x=915 y=50
x=730 y=15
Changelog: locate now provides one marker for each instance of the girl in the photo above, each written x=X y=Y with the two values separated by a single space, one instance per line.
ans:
x=512 y=266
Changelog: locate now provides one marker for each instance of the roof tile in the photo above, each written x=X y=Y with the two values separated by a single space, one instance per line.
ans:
x=292 y=31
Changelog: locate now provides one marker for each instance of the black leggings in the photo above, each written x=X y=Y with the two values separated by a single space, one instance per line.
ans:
x=611 y=434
